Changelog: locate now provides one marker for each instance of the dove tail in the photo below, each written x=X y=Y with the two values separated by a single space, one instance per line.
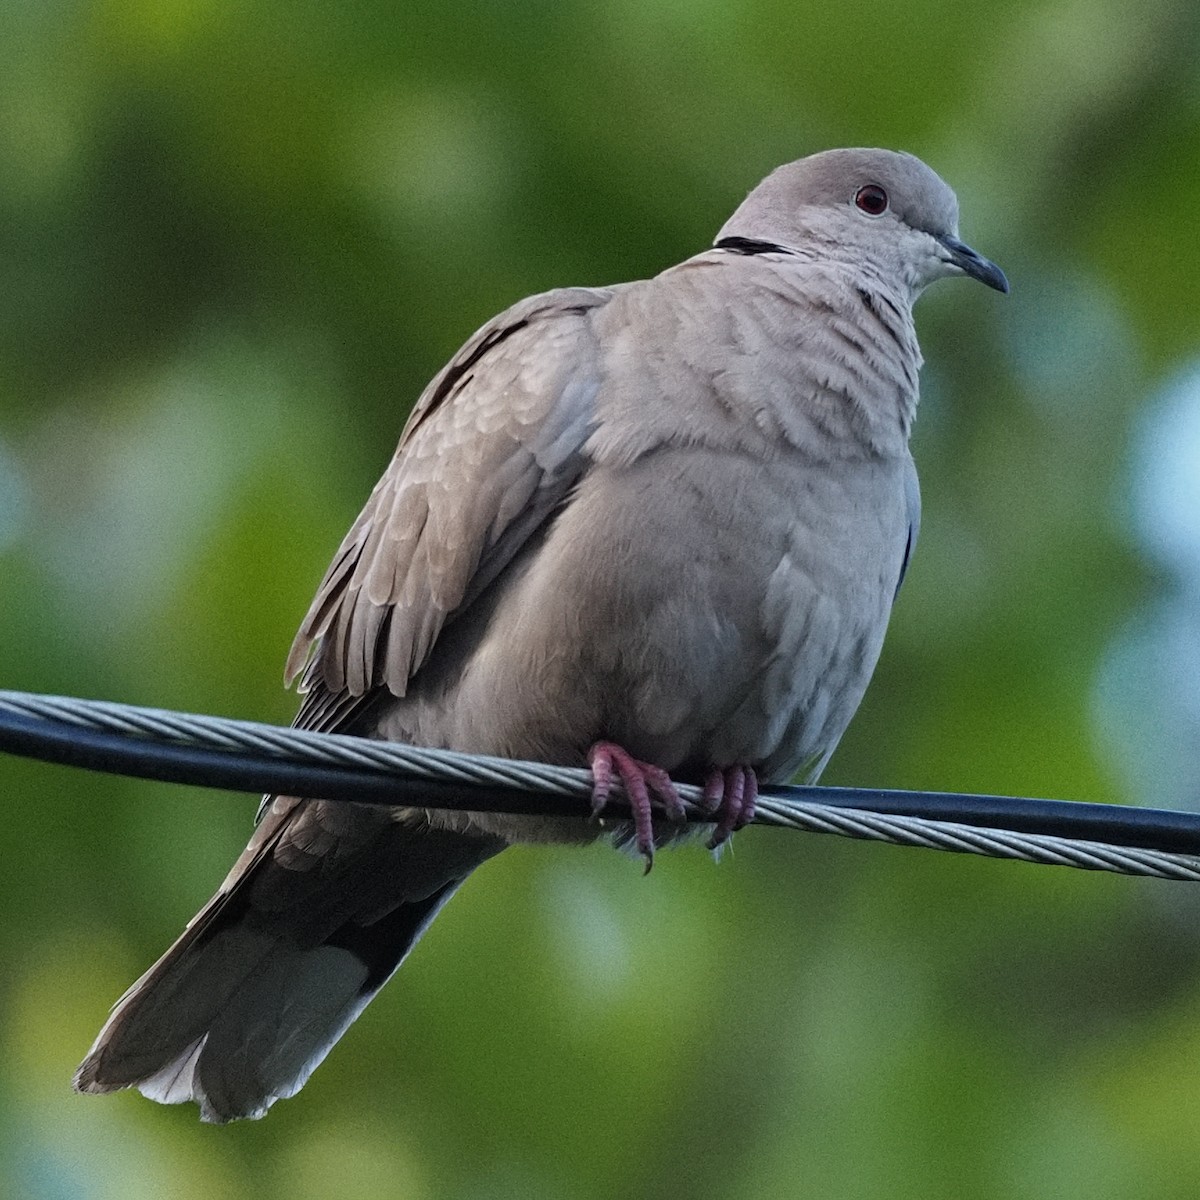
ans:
x=240 y=1011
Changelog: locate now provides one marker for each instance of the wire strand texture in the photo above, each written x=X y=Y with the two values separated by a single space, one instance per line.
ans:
x=247 y=756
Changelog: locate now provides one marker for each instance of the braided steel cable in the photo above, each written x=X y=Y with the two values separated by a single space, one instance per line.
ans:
x=247 y=756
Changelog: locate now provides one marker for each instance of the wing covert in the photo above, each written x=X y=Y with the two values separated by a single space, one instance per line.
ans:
x=491 y=448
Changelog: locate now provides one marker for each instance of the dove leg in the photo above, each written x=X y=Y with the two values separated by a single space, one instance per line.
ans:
x=731 y=795
x=609 y=761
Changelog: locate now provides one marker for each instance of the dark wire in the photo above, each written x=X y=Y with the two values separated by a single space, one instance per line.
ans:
x=238 y=770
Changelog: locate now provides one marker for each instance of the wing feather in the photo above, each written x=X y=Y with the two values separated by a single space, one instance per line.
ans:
x=493 y=446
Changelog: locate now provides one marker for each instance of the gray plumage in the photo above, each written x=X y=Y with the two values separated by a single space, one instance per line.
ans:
x=670 y=515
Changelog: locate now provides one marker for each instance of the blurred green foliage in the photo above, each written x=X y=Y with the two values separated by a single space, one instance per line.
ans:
x=236 y=239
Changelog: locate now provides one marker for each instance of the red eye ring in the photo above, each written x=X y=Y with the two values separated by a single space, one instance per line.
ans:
x=872 y=200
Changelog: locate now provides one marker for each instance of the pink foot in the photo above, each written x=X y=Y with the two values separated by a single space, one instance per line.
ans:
x=730 y=795
x=638 y=780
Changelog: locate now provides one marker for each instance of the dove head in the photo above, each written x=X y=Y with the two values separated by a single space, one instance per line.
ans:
x=876 y=210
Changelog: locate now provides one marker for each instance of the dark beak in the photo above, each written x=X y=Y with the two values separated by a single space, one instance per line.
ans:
x=975 y=265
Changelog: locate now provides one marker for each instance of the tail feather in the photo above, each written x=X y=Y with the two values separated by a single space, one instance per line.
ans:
x=247 y=1003
x=175 y=1083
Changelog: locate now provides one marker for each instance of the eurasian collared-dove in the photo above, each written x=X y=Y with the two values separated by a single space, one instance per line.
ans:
x=657 y=527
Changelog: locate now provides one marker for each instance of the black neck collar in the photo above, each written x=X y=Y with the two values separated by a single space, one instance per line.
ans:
x=741 y=245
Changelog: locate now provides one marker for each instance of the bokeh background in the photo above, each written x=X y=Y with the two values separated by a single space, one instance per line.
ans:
x=235 y=241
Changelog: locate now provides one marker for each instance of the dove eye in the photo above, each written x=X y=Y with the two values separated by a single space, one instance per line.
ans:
x=872 y=199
